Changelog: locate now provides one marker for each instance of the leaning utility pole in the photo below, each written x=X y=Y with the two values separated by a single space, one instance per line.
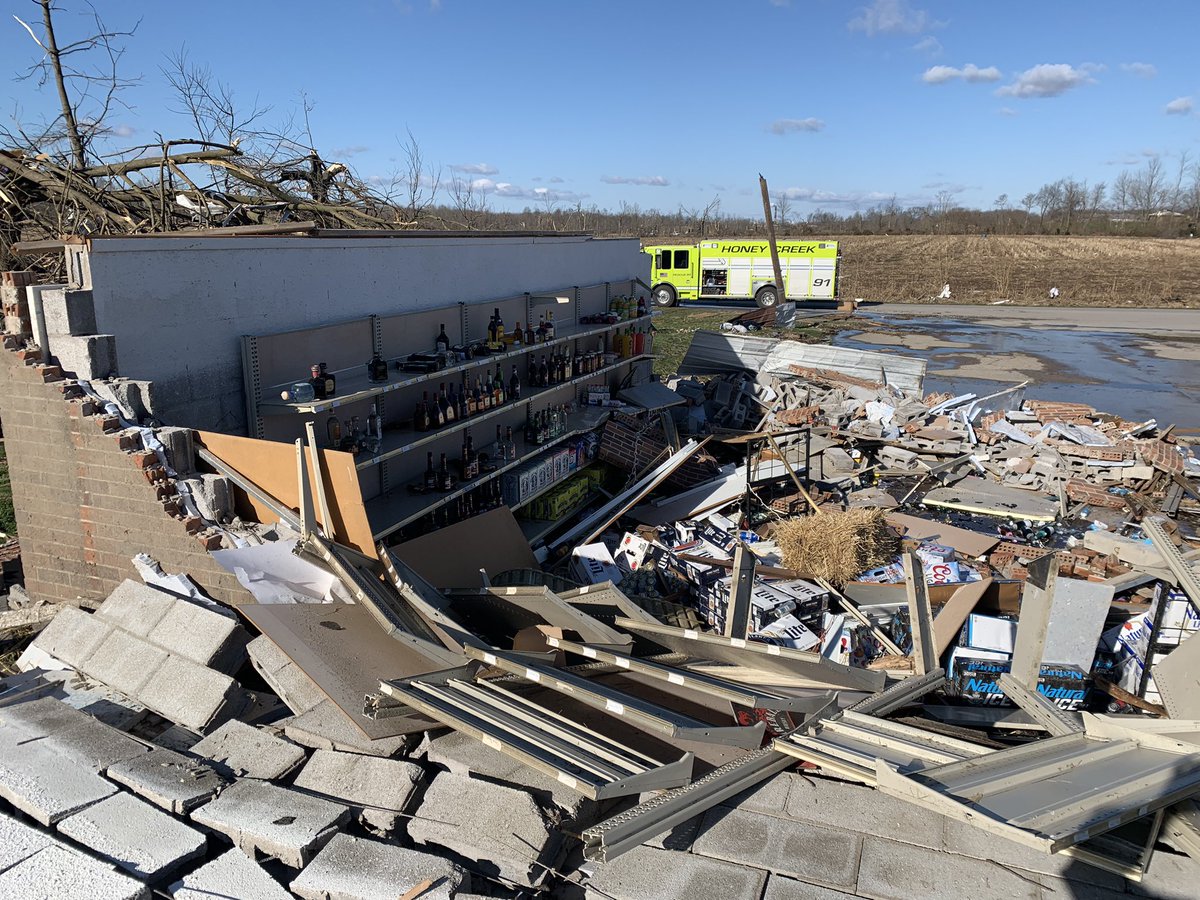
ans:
x=781 y=296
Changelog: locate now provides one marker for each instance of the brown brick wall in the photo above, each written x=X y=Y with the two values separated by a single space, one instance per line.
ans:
x=84 y=507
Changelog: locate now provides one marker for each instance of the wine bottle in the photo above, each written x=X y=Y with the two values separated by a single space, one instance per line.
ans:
x=442 y=343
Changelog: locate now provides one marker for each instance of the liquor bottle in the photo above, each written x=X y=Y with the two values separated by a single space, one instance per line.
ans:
x=448 y=403
x=445 y=479
x=318 y=382
x=469 y=393
x=639 y=343
x=442 y=343
x=541 y=329
x=530 y=338
x=464 y=466
x=377 y=370
x=300 y=392
x=431 y=475
x=641 y=307
x=510 y=446
x=550 y=325
x=472 y=457
x=330 y=380
x=543 y=373
x=438 y=413
x=463 y=406
x=333 y=430
x=518 y=335
x=491 y=338
x=498 y=385
x=498 y=451
x=485 y=397
x=514 y=386
x=499 y=339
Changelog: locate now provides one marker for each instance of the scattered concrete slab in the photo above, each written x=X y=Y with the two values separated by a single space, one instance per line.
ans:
x=289 y=682
x=191 y=694
x=894 y=871
x=463 y=755
x=824 y=801
x=501 y=828
x=826 y=856
x=135 y=607
x=352 y=868
x=649 y=874
x=135 y=836
x=231 y=875
x=170 y=780
x=19 y=841
x=72 y=636
x=781 y=888
x=326 y=727
x=272 y=820
x=124 y=662
x=203 y=635
x=56 y=873
x=377 y=789
x=39 y=781
x=238 y=750
x=95 y=744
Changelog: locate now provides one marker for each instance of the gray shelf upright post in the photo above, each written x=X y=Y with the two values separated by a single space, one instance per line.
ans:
x=463 y=324
x=252 y=383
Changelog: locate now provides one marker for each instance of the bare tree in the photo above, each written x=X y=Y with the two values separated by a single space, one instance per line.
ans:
x=1147 y=189
x=86 y=78
x=783 y=209
x=1094 y=202
x=469 y=201
x=421 y=180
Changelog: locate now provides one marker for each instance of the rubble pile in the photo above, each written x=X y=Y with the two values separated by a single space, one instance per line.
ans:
x=970 y=620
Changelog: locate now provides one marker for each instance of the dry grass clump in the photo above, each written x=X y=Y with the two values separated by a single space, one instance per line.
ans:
x=836 y=546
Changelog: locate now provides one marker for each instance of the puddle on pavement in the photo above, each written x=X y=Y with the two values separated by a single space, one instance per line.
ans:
x=1133 y=376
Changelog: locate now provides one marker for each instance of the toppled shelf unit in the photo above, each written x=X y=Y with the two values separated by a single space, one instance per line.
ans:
x=583 y=760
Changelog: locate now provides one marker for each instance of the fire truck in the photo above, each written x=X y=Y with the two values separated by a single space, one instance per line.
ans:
x=742 y=270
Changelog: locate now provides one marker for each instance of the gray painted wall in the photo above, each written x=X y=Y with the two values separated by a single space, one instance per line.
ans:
x=179 y=306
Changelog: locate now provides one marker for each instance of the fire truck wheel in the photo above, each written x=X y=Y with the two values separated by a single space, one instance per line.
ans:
x=766 y=296
x=664 y=295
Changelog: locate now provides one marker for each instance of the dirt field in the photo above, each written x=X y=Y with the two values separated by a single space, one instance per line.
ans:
x=1088 y=271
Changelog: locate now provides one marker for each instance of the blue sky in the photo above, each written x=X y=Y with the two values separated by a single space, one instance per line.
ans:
x=665 y=103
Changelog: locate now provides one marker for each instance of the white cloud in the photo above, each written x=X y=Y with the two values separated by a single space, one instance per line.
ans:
x=835 y=198
x=970 y=72
x=1140 y=69
x=1007 y=111
x=1180 y=106
x=949 y=187
x=122 y=131
x=787 y=126
x=514 y=191
x=346 y=152
x=891 y=17
x=647 y=180
x=928 y=44
x=554 y=179
x=475 y=168
x=1047 y=80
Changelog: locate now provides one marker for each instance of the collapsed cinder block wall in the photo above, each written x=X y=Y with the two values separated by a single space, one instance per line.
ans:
x=86 y=500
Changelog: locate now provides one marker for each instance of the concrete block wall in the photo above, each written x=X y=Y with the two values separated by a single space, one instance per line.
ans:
x=87 y=497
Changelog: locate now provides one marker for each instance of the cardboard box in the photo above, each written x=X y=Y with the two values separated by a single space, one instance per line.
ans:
x=990 y=633
x=976 y=678
x=631 y=552
x=592 y=564
x=787 y=631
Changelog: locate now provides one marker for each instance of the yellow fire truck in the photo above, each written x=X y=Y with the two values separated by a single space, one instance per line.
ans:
x=741 y=270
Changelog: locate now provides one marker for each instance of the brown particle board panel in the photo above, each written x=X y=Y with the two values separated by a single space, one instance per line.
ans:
x=272 y=466
x=343 y=649
x=494 y=540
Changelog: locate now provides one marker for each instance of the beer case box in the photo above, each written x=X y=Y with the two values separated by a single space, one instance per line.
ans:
x=787 y=631
x=593 y=564
x=631 y=552
x=975 y=678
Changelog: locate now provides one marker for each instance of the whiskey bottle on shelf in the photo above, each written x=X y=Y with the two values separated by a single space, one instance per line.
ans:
x=514 y=386
x=550 y=325
x=438 y=413
x=518 y=335
x=333 y=431
x=499 y=337
x=530 y=337
x=541 y=329
x=543 y=373
x=431 y=476
x=445 y=479
x=464 y=465
x=463 y=410
x=498 y=386
x=377 y=370
x=472 y=458
x=498 y=451
x=330 y=380
x=441 y=343
x=469 y=394
x=510 y=446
